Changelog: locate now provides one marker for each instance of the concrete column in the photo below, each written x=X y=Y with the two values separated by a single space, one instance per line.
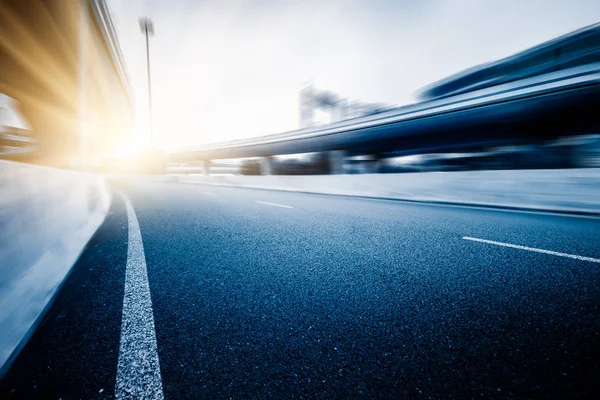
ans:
x=376 y=164
x=586 y=153
x=205 y=166
x=336 y=161
x=266 y=165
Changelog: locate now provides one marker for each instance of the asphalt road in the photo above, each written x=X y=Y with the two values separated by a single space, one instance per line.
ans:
x=264 y=294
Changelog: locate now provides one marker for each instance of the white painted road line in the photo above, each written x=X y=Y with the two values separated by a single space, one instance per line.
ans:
x=138 y=370
x=516 y=246
x=273 y=204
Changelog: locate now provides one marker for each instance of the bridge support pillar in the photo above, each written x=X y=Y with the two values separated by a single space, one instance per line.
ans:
x=376 y=165
x=266 y=165
x=337 y=158
x=205 y=167
x=587 y=153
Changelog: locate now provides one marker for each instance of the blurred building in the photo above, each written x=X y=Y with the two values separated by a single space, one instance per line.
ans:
x=571 y=50
x=339 y=108
x=61 y=65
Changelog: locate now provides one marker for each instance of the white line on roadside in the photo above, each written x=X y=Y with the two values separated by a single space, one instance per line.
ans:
x=273 y=204
x=138 y=369
x=516 y=246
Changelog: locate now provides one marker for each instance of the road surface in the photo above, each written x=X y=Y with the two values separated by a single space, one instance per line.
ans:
x=238 y=293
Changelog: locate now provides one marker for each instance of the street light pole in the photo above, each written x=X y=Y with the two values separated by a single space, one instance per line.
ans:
x=148 y=29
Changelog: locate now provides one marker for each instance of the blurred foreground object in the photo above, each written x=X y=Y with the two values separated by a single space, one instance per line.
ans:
x=48 y=215
x=60 y=61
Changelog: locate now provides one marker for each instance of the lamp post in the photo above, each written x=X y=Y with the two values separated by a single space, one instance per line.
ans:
x=148 y=29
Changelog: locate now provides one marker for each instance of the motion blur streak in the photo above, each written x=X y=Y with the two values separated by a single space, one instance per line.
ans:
x=297 y=226
x=41 y=65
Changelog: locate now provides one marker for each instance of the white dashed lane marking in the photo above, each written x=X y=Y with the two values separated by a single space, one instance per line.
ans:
x=273 y=204
x=138 y=369
x=516 y=246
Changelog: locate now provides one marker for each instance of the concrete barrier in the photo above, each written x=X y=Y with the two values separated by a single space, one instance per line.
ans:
x=46 y=218
x=562 y=190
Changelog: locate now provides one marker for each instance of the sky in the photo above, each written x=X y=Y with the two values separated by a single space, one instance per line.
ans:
x=231 y=69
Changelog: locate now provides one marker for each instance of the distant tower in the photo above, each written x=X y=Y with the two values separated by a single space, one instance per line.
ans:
x=339 y=108
x=342 y=110
x=307 y=106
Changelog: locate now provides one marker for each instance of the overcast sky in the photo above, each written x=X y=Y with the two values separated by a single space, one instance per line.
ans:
x=227 y=69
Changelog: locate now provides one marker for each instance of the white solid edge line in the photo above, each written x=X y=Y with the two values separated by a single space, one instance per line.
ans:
x=273 y=204
x=516 y=246
x=138 y=369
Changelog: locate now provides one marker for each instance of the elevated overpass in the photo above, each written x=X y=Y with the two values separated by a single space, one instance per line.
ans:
x=537 y=104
